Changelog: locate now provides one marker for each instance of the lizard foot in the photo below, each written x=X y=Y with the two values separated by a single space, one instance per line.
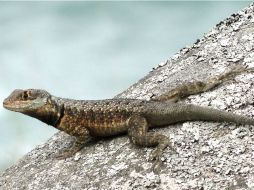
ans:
x=156 y=157
x=156 y=166
x=67 y=153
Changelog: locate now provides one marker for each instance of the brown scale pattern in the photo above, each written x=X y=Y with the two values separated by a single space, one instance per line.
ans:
x=99 y=118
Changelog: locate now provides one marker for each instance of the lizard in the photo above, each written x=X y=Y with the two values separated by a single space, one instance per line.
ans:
x=86 y=119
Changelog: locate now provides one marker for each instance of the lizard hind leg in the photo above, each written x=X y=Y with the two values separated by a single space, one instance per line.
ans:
x=196 y=87
x=139 y=135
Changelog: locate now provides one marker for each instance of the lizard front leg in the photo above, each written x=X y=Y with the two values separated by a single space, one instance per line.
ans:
x=197 y=87
x=77 y=145
x=139 y=135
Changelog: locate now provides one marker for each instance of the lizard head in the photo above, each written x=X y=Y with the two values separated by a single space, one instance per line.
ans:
x=26 y=100
x=35 y=103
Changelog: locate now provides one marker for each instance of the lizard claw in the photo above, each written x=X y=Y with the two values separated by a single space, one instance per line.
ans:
x=156 y=166
x=67 y=153
x=156 y=157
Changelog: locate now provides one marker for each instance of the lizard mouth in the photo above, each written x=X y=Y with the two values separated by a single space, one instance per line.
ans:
x=14 y=106
x=6 y=104
x=22 y=106
x=10 y=106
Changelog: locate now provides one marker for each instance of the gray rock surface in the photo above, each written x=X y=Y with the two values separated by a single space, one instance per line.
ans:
x=206 y=155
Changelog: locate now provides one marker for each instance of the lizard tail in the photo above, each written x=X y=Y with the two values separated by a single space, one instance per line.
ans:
x=194 y=112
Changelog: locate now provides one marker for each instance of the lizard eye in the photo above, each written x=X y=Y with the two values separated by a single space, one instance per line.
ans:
x=28 y=95
x=24 y=95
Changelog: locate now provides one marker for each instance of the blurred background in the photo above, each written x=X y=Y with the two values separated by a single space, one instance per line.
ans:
x=88 y=50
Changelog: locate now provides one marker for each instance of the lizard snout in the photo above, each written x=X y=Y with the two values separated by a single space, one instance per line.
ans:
x=6 y=103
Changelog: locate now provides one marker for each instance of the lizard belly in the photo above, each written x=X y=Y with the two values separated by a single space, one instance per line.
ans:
x=97 y=127
x=107 y=129
x=107 y=124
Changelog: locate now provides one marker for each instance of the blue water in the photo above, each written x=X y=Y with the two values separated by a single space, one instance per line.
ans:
x=88 y=50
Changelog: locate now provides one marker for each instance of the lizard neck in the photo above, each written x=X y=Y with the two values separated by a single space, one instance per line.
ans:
x=50 y=113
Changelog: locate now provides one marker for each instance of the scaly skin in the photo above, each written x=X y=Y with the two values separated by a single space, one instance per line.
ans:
x=84 y=119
